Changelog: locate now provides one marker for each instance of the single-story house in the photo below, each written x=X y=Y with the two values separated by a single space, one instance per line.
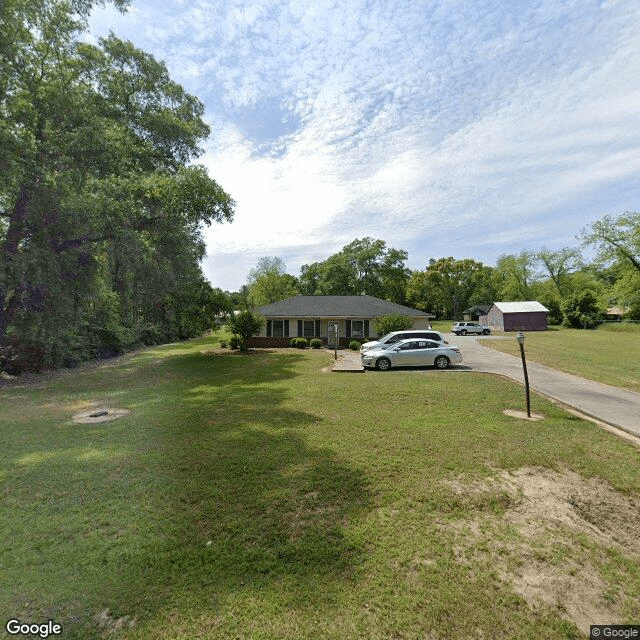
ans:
x=310 y=316
x=516 y=316
x=473 y=313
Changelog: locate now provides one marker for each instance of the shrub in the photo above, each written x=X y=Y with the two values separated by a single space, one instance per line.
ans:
x=298 y=343
x=393 y=322
x=581 y=310
x=315 y=343
x=354 y=345
x=243 y=326
x=17 y=357
x=235 y=342
x=554 y=305
x=150 y=334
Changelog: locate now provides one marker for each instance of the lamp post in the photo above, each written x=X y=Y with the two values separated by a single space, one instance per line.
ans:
x=520 y=339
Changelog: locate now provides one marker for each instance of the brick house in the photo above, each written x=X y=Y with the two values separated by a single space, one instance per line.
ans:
x=309 y=317
x=516 y=316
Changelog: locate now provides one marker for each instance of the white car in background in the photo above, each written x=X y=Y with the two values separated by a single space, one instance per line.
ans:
x=396 y=336
x=412 y=353
x=463 y=328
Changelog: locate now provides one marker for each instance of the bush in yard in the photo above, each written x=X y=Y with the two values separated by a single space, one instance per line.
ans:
x=393 y=322
x=234 y=342
x=354 y=345
x=243 y=326
x=17 y=357
x=554 y=305
x=315 y=343
x=582 y=310
x=298 y=343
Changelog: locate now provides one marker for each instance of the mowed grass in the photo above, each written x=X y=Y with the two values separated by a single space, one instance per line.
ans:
x=256 y=496
x=610 y=354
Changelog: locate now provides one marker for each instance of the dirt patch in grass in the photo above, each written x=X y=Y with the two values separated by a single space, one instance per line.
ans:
x=555 y=541
x=514 y=413
x=224 y=351
x=110 y=626
x=310 y=512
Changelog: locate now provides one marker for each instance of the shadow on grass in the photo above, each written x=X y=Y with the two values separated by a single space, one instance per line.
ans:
x=206 y=489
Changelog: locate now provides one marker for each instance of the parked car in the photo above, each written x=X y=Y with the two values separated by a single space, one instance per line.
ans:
x=396 y=336
x=463 y=328
x=412 y=353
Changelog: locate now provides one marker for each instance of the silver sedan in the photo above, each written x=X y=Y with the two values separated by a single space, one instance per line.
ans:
x=412 y=353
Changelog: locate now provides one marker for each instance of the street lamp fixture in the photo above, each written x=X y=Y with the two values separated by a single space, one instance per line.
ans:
x=520 y=340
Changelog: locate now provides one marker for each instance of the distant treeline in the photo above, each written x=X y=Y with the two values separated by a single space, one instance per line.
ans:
x=576 y=292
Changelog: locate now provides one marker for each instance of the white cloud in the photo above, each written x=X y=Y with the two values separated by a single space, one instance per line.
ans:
x=442 y=127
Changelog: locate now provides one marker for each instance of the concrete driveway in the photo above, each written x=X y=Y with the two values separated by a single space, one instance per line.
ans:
x=610 y=404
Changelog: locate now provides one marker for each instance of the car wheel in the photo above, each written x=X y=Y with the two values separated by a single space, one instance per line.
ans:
x=486 y=332
x=383 y=364
x=442 y=362
x=463 y=332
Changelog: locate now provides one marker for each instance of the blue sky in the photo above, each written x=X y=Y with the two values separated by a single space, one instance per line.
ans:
x=469 y=128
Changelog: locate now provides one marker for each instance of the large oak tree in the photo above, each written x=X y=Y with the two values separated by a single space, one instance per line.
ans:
x=100 y=209
x=364 y=266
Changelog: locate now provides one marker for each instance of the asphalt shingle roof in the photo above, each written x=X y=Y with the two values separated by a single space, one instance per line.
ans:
x=336 y=307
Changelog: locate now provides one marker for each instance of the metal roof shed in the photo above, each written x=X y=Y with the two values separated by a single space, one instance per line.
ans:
x=516 y=316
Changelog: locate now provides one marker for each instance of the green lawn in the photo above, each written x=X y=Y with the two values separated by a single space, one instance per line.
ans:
x=255 y=496
x=609 y=354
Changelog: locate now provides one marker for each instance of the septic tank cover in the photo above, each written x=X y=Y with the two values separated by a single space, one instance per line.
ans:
x=99 y=414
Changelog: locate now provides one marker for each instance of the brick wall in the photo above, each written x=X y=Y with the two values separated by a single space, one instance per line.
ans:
x=261 y=341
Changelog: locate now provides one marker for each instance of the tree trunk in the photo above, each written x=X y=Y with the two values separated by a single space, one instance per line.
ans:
x=10 y=290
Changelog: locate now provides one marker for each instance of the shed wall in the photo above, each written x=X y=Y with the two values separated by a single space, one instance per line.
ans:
x=526 y=321
x=493 y=319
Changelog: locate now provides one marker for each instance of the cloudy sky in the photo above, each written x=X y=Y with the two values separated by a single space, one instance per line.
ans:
x=469 y=128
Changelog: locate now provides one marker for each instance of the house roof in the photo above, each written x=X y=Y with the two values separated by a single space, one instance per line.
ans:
x=478 y=307
x=520 y=307
x=617 y=311
x=336 y=307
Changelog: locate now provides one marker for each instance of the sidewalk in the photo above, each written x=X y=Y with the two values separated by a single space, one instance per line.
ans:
x=615 y=406
x=348 y=361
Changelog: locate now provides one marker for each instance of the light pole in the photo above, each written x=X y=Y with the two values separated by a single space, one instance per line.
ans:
x=520 y=339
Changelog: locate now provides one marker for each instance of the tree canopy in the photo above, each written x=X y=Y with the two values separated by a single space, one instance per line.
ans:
x=100 y=209
x=616 y=238
x=364 y=266
x=617 y=242
x=449 y=286
x=269 y=282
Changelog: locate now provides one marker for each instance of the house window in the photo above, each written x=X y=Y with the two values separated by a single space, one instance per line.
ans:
x=308 y=328
x=278 y=329
x=357 y=328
